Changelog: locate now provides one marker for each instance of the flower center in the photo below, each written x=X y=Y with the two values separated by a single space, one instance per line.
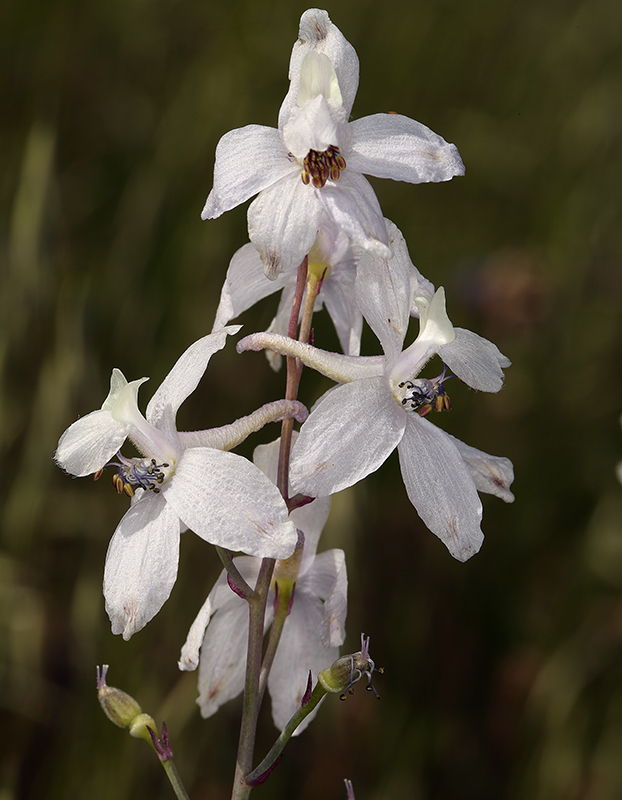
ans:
x=141 y=473
x=319 y=167
x=423 y=395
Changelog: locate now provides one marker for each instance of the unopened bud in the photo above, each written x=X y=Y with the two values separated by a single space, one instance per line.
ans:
x=341 y=676
x=122 y=709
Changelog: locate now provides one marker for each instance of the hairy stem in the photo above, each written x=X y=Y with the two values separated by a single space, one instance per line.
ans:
x=252 y=699
x=291 y=387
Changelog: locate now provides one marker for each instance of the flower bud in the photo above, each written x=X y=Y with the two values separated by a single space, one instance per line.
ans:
x=122 y=709
x=341 y=676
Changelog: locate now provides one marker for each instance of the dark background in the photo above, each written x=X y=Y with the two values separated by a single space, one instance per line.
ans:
x=503 y=675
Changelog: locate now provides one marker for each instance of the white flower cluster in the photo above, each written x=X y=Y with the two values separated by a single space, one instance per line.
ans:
x=316 y=212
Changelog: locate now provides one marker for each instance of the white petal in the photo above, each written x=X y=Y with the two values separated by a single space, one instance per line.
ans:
x=475 y=360
x=396 y=147
x=338 y=295
x=300 y=650
x=248 y=160
x=491 y=474
x=441 y=488
x=349 y=434
x=227 y=501
x=244 y=285
x=283 y=222
x=118 y=382
x=141 y=564
x=315 y=126
x=184 y=378
x=220 y=597
x=89 y=444
x=310 y=518
x=435 y=330
x=352 y=204
x=383 y=293
x=328 y=580
x=189 y=659
x=318 y=33
x=318 y=77
x=223 y=662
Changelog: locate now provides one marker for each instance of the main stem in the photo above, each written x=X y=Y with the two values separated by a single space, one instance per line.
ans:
x=253 y=692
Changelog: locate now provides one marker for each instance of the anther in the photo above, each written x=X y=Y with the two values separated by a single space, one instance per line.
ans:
x=318 y=167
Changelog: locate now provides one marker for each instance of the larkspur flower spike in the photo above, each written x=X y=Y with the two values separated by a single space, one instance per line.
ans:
x=299 y=172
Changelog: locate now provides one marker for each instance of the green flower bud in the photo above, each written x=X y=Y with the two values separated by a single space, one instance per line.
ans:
x=122 y=709
x=341 y=676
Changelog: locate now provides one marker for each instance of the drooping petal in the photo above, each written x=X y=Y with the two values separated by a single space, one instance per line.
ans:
x=475 y=360
x=89 y=444
x=318 y=33
x=141 y=564
x=383 y=293
x=248 y=160
x=223 y=665
x=352 y=204
x=397 y=147
x=328 y=579
x=349 y=434
x=189 y=659
x=339 y=298
x=244 y=285
x=491 y=474
x=283 y=222
x=300 y=650
x=183 y=379
x=220 y=597
x=227 y=501
x=440 y=487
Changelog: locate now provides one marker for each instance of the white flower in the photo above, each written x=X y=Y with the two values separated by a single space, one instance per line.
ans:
x=353 y=429
x=312 y=632
x=183 y=479
x=314 y=162
x=334 y=260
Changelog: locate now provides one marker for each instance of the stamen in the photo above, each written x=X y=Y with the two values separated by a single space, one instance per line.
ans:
x=318 y=167
x=364 y=666
x=423 y=395
x=141 y=473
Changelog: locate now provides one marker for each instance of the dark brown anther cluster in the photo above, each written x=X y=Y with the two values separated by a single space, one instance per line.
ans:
x=319 y=167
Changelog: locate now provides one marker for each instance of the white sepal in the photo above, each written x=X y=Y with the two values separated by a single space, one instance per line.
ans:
x=141 y=564
x=440 y=487
x=228 y=502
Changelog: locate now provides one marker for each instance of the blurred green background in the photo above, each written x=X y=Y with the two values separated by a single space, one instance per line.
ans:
x=503 y=675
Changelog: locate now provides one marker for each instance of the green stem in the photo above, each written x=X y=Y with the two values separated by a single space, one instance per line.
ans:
x=281 y=614
x=173 y=776
x=252 y=700
x=286 y=734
